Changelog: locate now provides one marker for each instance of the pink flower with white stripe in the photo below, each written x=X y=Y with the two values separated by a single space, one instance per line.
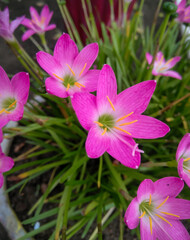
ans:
x=161 y=67
x=7 y=28
x=68 y=68
x=114 y=120
x=158 y=210
x=13 y=96
x=183 y=12
x=39 y=23
x=183 y=158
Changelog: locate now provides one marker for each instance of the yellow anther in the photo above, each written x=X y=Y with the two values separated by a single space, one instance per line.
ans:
x=163 y=219
x=128 y=123
x=124 y=117
x=187 y=159
x=142 y=214
x=100 y=124
x=122 y=130
x=150 y=220
x=170 y=214
x=79 y=84
x=105 y=130
x=150 y=200
x=12 y=104
x=68 y=86
x=82 y=69
x=163 y=202
x=6 y=111
x=110 y=103
x=58 y=77
x=2 y=111
x=71 y=69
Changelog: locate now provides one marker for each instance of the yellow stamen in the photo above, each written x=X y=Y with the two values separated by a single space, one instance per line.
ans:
x=163 y=219
x=150 y=220
x=6 y=111
x=188 y=170
x=161 y=60
x=71 y=69
x=12 y=104
x=100 y=124
x=122 y=130
x=110 y=103
x=128 y=123
x=124 y=117
x=171 y=214
x=150 y=200
x=187 y=159
x=58 y=77
x=162 y=202
x=68 y=86
x=42 y=20
x=105 y=130
x=83 y=69
x=142 y=214
x=169 y=61
x=163 y=68
x=79 y=84
x=2 y=111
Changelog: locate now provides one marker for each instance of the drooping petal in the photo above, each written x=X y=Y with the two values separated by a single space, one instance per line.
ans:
x=85 y=108
x=172 y=74
x=34 y=14
x=146 y=188
x=65 y=50
x=15 y=23
x=90 y=80
x=185 y=175
x=107 y=87
x=172 y=62
x=55 y=87
x=122 y=150
x=27 y=34
x=183 y=149
x=136 y=98
x=149 y=58
x=168 y=186
x=5 y=88
x=132 y=214
x=96 y=144
x=21 y=84
x=146 y=127
x=85 y=59
x=6 y=163
x=50 y=27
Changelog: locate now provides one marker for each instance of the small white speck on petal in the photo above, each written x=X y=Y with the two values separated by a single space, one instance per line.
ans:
x=137 y=167
x=155 y=81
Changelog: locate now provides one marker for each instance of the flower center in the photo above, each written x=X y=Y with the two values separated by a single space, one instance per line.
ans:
x=107 y=120
x=8 y=105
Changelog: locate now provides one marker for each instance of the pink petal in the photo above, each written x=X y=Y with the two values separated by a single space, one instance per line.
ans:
x=65 y=50
x=27 y=34
x=145 y=229
x=146 y=188
x=155 y=73
x=34 y=14
x=45 y=11
x=160 y=56
x=181 y=5
x=1 y=135
x=183 y=149
x=183 y=174
x=4 y=17
x=86 y=57
x=85 y=108
x=6 y=163
x=132 y=214
x=168 y=186
x=90 y=80
x=146 y=127
x=172 y=74
x=56 y=87
x=3 y=120
x=50 y=27
x=17 y=113
x=27 y=23
x=1 y=180
x=15 y=23
x=49 y=64
x=122 y=148
x=5 y=88
x=149 y=58
x=107 y=87
x=21 y=84
x=96 y=144
x=172 y=62
x=136 y=98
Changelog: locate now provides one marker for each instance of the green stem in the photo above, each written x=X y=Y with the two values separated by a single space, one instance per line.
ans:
x=44 y=43
x=100 y=172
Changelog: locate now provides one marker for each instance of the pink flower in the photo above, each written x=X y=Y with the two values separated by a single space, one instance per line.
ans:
x=158 y=210
x=161 y=67
x=114 y=120
x=69 y=69
x=6 y=28
x=183 y=13
x=13 y=96
x=183 y=158
x=39 y=23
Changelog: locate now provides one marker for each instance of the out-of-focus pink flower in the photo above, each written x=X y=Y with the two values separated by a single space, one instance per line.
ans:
x=69 y=69
x=114 y=120
x=183 y=12
x=158 y=210
x=161 y=67
x=183 y=158
x=13 y=96
x=7 y=28
x=39 y=23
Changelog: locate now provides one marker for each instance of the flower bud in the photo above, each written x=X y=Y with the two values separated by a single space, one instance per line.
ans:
x=169 y=7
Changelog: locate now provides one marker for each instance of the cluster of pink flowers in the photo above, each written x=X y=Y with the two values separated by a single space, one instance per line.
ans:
x=183 y=12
